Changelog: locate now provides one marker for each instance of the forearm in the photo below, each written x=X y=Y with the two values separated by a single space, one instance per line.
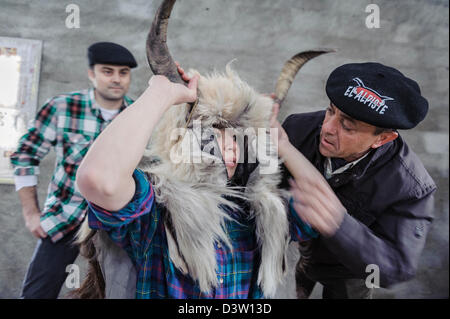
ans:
x=28 y=198
x=297 y=164
x=314 y=200
x=105 y=174
x=31 y=212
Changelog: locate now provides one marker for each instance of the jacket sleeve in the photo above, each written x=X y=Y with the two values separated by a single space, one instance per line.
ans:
x=395 y=255
x=299 y=230
x=37 y=142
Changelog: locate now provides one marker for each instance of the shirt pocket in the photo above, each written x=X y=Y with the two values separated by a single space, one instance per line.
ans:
x=75 y=146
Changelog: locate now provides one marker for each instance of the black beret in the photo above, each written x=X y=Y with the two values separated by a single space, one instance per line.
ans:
x=377 y=94
x=110 y=53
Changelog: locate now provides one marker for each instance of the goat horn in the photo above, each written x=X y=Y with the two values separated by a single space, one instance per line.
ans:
x=158 y=55
x=290 y=70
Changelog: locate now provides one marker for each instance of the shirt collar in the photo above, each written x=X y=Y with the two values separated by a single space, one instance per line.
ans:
x=329 y=172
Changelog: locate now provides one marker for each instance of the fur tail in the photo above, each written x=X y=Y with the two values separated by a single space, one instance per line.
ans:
x=93 y=286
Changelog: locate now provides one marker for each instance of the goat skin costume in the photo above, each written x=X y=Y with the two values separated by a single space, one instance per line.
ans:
x=194 y=191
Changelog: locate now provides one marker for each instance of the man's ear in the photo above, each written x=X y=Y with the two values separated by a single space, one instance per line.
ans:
x=384 y=138
x=91 y=74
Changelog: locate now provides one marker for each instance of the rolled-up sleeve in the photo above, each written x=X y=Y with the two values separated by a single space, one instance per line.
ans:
x=37 y=142
x=300 y=231
x=133 y=226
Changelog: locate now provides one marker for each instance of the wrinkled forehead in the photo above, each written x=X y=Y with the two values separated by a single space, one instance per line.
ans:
x=357 y=123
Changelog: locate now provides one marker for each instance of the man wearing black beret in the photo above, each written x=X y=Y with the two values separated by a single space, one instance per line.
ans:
x=357 y=183
x=69 y=123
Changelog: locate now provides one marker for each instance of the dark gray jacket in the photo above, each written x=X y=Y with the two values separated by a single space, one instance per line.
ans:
x=389 y=200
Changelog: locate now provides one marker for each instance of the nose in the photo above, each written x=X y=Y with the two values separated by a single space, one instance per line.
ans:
x=330 y=125
x=230 y=152
x=116 y=77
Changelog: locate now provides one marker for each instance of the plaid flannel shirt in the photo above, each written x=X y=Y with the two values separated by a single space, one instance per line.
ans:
x=69 y=123
x=138 y=228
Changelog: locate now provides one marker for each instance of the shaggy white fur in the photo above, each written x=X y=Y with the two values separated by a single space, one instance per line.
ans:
x=192 y=192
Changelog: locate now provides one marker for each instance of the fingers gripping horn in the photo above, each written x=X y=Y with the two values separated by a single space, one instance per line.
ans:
x=290 y=69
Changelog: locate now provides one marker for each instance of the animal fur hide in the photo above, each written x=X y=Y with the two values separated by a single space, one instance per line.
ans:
x=194 y=186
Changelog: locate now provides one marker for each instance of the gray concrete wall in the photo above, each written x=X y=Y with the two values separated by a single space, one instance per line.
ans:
x=261 y=35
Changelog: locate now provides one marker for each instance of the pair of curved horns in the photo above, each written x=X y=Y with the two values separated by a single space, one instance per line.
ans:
x=161 y=61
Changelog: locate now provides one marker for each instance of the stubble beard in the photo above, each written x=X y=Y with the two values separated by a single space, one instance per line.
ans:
x=109 y=96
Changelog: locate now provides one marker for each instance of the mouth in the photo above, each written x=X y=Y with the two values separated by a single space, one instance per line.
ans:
x=230 y=164
x=327 y=144
x=116 y=88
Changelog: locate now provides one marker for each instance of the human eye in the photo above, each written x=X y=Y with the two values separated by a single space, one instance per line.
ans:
x=329 y=110
x=345 y=126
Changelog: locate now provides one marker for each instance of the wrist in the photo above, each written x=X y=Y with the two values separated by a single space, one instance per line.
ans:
x=30 y=211
x=158 y=96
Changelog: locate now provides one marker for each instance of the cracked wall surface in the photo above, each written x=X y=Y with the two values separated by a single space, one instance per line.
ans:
x=260 y=35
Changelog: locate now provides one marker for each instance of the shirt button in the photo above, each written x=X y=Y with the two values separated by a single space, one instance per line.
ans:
x=221 y=280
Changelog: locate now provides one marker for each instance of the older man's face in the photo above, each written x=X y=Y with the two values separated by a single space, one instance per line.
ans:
x=344 y=137
x=110 y=81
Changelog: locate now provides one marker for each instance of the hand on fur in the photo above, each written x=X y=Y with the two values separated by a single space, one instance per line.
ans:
x=175 y=92
x=317 y=204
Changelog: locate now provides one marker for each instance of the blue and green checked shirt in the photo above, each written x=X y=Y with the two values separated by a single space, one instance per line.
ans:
x=69 y=123
x=138 y=228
